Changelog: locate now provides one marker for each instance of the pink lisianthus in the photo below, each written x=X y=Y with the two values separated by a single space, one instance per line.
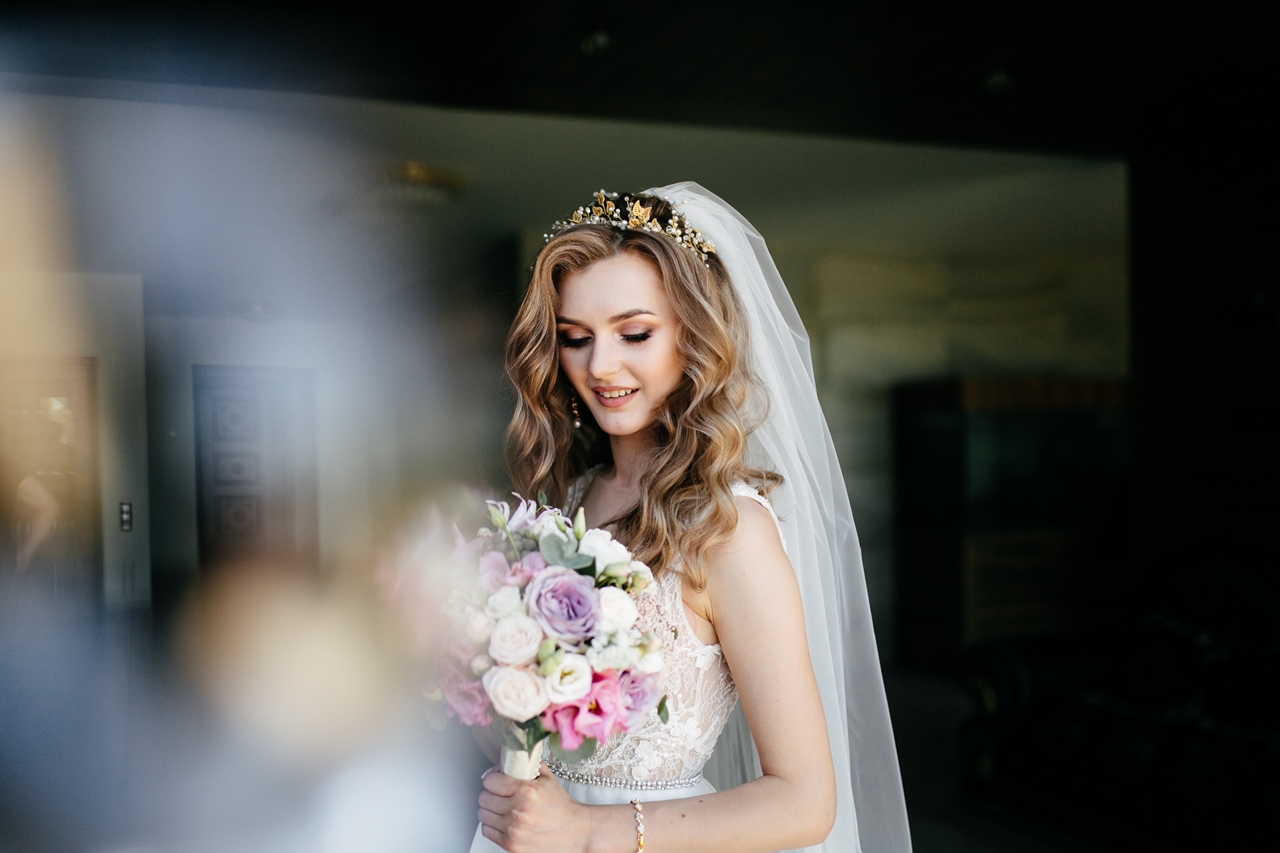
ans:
x=458 y=651
x=599 y=714
x=533 y=564
x=467 y=701
x=493 y=571
x=519 y=574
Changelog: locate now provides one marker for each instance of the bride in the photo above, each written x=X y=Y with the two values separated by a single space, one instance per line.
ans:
x=657 y=338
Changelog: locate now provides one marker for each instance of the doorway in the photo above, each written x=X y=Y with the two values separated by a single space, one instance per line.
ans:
x=49 y=432
x=255 y=466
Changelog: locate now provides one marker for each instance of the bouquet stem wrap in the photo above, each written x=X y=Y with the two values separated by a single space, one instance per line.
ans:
x=521 y=763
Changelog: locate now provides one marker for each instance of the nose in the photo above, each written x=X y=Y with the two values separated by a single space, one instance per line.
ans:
x=604 y=357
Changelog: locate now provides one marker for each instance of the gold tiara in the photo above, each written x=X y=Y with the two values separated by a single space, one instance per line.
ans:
x=632 y=213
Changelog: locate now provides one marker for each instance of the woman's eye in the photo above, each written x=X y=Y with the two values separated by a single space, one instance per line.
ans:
x=637 y=338
x=574 y=343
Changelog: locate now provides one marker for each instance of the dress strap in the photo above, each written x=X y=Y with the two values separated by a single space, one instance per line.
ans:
x=578 y=490
x=743 y=490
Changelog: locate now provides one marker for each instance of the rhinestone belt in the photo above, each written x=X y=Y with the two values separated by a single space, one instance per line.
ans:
x=570 y=775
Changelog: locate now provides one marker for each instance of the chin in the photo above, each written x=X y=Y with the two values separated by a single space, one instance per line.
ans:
x=623 y=426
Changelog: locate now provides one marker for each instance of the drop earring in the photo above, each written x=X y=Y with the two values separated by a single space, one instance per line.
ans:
x=577 y=418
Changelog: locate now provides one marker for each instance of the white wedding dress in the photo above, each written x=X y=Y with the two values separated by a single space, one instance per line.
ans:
x=658 y=761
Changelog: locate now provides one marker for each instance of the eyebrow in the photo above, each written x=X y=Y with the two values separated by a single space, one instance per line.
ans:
x=616 y=318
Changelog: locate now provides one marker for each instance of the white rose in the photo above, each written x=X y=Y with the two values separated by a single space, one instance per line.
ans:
x=515 y=640
x=570 y=680
x=480 y=664
x=617 y=611
x=504 y=602
x=479 y=626
x=641 y=576
x=650 y=662
x=612 y=656
x=516 y=694
x=607 y=550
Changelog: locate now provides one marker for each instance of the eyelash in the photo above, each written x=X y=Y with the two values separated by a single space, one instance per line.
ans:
x=576 y=343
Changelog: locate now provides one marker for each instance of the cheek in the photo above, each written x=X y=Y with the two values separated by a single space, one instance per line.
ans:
x=670 y=367
x=570 y=362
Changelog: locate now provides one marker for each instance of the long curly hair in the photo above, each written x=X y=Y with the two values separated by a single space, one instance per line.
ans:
x=686 y=505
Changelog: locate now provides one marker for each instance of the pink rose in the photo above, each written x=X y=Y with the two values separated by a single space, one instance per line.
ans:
x=600 y=714
x=467 y=701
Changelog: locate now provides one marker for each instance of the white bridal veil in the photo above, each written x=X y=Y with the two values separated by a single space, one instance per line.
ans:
x=817 y=524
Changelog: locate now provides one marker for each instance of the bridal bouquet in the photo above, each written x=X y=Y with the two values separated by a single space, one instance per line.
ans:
x=543 y=637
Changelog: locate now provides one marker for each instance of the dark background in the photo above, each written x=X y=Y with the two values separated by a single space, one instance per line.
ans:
x=1161 y=734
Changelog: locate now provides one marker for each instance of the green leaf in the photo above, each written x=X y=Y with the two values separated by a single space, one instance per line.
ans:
x=664 y=713
x=580 y=562
x=557 y=552
x=554 y=549
x=583 y=752
x=533 y=731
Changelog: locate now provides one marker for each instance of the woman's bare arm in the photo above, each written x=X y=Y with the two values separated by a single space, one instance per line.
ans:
x=756 y=610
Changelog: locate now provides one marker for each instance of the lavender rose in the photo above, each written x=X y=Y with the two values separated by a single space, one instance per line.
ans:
x=565 y=604
x=640 y=692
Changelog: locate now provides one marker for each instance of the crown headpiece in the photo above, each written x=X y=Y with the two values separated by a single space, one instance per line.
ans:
x=628 y=213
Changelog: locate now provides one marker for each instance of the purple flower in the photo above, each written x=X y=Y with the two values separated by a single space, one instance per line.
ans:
x=640 y=692
x=565 y=604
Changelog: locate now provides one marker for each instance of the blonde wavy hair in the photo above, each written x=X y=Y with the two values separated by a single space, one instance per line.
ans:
x=686 y=504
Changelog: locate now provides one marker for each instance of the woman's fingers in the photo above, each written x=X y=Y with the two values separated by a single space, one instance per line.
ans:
x=494 y=835
x=495 y=804
x=491 y=818
x=500 y=784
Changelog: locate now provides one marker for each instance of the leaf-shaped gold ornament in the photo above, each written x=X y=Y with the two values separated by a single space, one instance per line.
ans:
x=639 y=215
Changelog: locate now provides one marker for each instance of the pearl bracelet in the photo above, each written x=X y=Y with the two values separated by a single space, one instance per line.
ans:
x=639 y=807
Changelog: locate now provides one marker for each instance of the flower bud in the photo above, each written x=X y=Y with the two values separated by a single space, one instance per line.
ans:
x=551 y=664
x=547 y=649
x=480 y=664
x=580 y=523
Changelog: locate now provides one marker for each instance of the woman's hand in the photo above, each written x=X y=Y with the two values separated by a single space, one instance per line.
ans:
x=532 y=817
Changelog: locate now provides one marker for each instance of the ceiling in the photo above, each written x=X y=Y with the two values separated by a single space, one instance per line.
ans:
x=221 y=198
x=1074 y=76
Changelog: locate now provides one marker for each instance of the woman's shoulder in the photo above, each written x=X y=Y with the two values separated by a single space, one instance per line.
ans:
x=758 y=523
x=757 y=535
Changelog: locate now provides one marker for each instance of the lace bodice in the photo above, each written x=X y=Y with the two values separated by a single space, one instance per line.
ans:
x=696 y=680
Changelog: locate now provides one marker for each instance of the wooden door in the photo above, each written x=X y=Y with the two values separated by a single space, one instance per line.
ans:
x=49 y=430
x=255 y=465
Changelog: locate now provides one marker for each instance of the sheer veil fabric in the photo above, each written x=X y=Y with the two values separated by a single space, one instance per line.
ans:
x=817 y=525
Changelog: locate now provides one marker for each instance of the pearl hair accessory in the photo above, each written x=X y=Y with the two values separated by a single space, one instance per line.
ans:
x=632 y=213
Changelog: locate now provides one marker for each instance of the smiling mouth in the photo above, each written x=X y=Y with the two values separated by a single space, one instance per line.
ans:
x=612 y=398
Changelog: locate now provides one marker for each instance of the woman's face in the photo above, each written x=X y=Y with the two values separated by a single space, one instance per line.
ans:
x=617 y=337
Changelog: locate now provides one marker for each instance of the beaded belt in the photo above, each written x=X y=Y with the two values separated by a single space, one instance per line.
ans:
x=568 y=774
